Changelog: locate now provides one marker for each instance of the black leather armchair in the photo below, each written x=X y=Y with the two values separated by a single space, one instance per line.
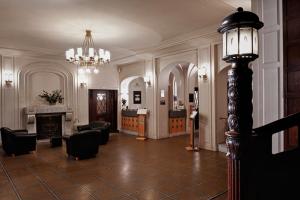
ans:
x=83 y=144
x=17 y=142
x=102 y=126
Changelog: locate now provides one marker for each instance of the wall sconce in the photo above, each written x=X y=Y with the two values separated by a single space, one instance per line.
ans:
x=147 y=80
x=8 y=78
x=82 y=85
x=162 y=94
x=202 y=73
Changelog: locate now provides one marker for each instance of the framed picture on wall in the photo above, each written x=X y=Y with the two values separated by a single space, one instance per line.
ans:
x=137 y=97
x=191 y=97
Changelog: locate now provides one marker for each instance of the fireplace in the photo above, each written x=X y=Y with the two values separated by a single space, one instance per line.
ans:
x=45 y=120
x=48 y=125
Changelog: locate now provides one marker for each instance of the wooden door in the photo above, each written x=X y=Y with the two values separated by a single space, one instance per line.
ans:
x=103 y=106
x=291 y=39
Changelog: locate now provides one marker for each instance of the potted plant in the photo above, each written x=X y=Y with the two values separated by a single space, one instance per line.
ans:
x=53 y=97
x=124 y=101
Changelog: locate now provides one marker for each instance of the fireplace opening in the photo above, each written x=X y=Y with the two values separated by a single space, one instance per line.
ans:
x=48 y=125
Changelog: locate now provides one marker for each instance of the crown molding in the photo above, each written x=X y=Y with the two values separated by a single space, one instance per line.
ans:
x=199 y=37
x=203 y=33
x=181 y=43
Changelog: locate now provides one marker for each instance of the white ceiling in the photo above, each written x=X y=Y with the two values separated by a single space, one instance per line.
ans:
x=122 y=26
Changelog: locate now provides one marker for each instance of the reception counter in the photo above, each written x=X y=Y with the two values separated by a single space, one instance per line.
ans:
x=129 y=120
x=177 y=122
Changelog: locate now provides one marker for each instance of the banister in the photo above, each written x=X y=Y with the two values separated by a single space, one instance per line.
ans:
x=278 y=125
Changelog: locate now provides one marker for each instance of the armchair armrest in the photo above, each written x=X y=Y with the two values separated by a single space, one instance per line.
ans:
x=21 y=130
x=83 y=127
x=66 y=137
x=23 y=134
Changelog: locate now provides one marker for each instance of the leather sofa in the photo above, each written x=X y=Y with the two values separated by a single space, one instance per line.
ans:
x=83 y=144
x=102 y=126
x=15 y=142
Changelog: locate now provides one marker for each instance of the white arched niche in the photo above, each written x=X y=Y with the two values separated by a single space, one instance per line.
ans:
x=128 y=86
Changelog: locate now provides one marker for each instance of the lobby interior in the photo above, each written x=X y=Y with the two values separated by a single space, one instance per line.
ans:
x=159 y=90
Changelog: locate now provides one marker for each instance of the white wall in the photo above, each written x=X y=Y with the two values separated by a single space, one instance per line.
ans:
x=206 y=100
x=107 y=78
x=31 y=75
x=268 y=69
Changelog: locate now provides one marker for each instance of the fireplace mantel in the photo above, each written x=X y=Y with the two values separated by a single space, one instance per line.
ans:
x=30 y=110
x=30 y=113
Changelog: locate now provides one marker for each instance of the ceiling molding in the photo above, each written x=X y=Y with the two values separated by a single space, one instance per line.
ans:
x=183 y=42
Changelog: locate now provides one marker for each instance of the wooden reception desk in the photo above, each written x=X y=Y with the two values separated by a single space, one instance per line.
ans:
x=134 y=122
x=177 y=122
x=129 y=120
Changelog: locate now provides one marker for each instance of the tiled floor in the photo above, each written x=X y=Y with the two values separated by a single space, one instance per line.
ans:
x=124 y=169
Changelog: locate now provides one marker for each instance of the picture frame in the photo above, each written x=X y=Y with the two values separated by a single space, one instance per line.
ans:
x=137 y=97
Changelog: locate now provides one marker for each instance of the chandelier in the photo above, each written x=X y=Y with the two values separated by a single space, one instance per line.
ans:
x=87 y=58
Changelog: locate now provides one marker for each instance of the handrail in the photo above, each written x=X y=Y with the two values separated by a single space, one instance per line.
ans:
x=278 y=125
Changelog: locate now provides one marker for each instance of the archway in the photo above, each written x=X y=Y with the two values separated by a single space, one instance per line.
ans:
x=133 y=97
x=176 y=82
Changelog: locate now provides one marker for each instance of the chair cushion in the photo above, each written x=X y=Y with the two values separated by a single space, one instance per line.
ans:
x=83 y=127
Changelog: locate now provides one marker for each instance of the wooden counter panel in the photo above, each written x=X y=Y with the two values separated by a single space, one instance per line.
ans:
x=129 y=123
x=177 y=125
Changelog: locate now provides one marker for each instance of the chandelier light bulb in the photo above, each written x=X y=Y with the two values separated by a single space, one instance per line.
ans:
x=91 y=52
x=101 y=53
x=96 y=71
x=71 y=53
x=79 y=52
x=80 y=70
x=88 y=70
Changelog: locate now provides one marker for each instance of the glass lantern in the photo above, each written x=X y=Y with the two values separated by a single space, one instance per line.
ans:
x=240 y=35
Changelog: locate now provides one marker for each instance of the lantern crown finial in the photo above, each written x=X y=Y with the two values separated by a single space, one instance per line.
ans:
x=240 y=9
x=239 y=19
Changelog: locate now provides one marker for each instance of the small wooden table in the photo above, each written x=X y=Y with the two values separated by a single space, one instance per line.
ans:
x=56 y=141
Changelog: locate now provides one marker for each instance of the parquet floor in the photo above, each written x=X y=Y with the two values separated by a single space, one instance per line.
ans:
x=124 y=169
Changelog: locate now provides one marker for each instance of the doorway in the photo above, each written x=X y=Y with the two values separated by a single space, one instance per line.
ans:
x=103 y=106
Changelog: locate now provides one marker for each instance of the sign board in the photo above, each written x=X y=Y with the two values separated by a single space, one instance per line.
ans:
x=193 y=115
x=142 y=111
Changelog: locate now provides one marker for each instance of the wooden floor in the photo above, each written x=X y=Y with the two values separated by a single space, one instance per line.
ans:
x=124 y=169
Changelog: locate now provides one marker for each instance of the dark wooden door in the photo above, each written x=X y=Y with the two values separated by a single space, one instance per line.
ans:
x=291 y=35
x=103 y=106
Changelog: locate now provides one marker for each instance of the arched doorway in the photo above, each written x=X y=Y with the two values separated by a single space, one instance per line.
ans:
x=177 y=84
x=133 y=97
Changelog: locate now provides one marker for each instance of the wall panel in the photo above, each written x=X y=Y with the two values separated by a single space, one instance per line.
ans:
x=268 y=69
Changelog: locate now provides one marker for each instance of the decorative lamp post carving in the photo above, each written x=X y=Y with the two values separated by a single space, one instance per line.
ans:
x=240 y=46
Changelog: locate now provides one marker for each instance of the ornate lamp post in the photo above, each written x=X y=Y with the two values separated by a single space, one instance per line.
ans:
x=240 y=46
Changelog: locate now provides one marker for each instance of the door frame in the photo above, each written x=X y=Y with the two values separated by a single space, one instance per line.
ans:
x=115 y=114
